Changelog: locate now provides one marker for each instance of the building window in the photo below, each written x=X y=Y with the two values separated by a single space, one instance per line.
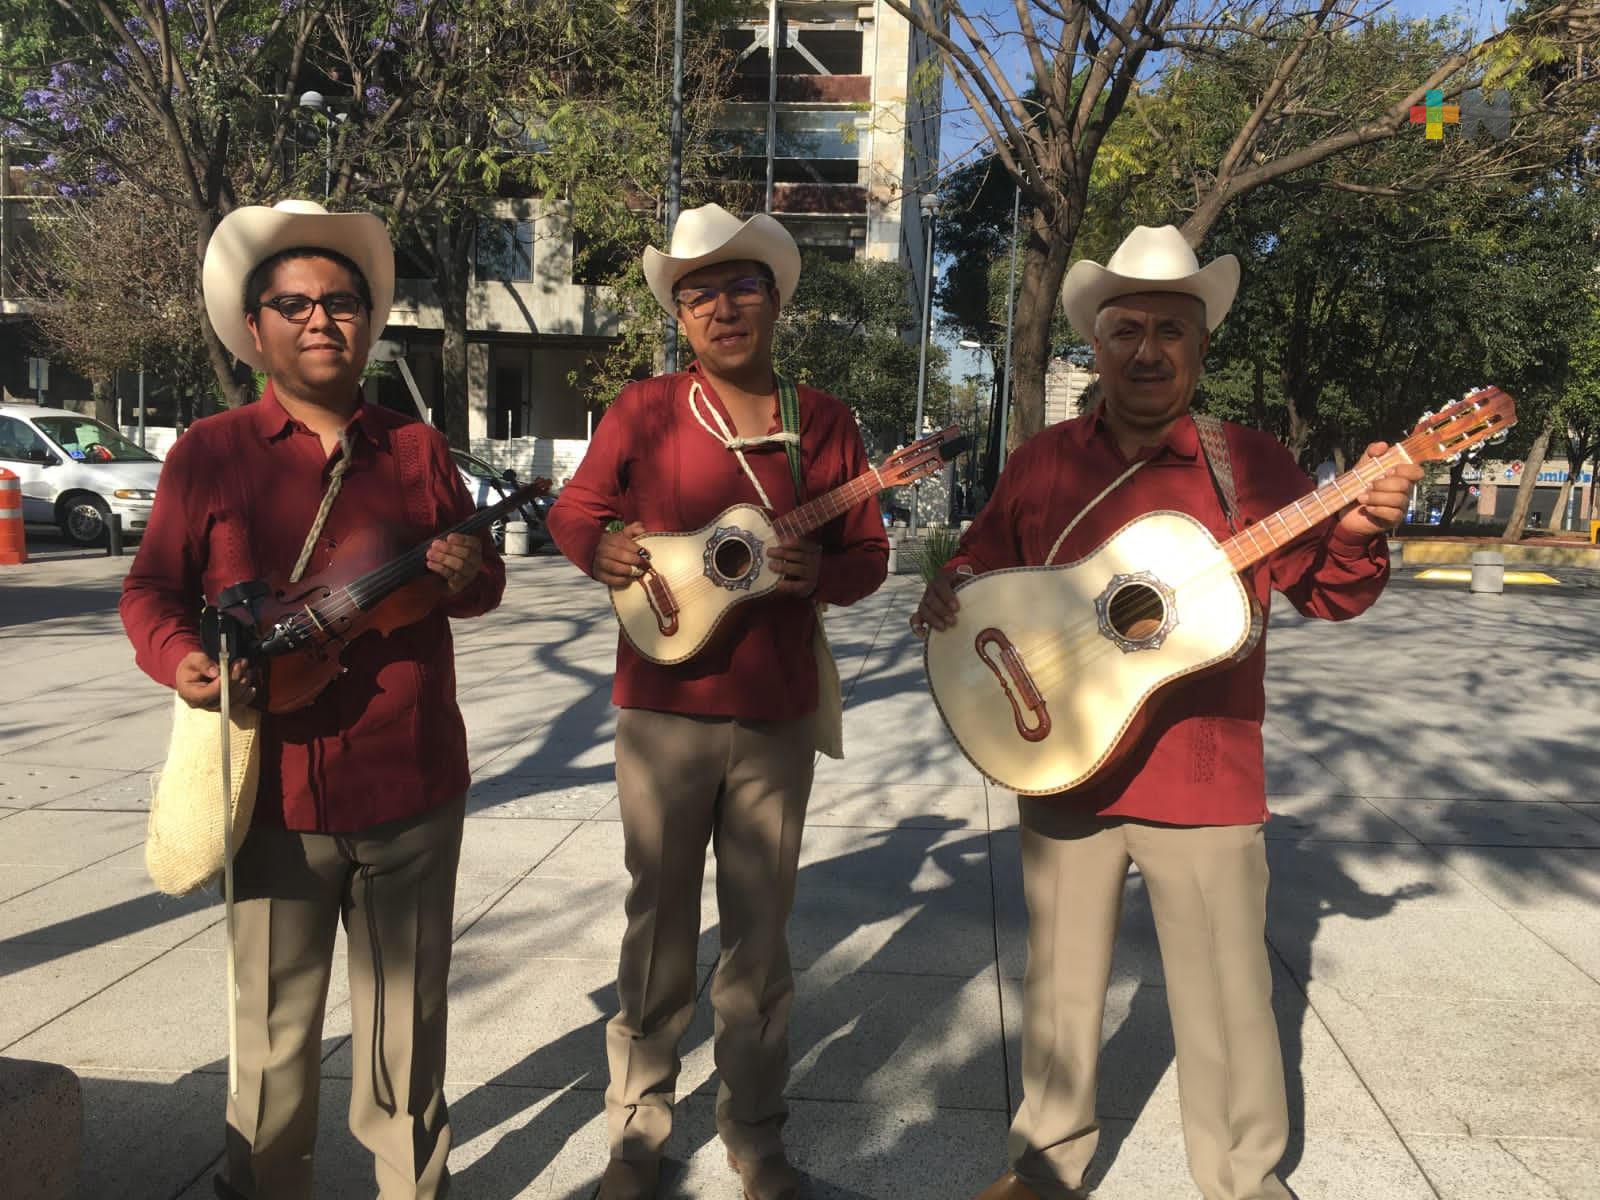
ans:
x=505 y=251
x=597 y=260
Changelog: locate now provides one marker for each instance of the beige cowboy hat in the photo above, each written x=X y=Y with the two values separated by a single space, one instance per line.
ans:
x=1149 y=260
x=249 y=236
x=711 y=234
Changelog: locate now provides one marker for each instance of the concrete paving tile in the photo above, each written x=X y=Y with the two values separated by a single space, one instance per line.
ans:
x=41 y=837
x=522 y=1023
x=1293 y=772
x=869 y=804
x=134 y=741
x=517 y=795
x=14 y=880
x=1365 y=881
x=130 y=793
x=1574 y=934
x=168 y=1015
x=593 y=851
x=1482 y=1068
x=561 y=917
x=1331 y=1166
x=927 y=932
x=507 y=849
x=1491 y=823
x=1461 y=954
x=25 y=785
x=916 y=859
x=1541 y=879
x=897 y=1040
x=1509 y=1168
x=109 y=903
x=39 y=983
x=147 y=1134
x=1330 y=818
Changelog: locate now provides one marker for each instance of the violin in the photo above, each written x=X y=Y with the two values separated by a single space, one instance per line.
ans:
x=296 y=632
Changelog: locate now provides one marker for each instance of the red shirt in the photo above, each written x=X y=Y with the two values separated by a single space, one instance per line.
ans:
x=237 y=496
x=651 y=461
x=1199 y=761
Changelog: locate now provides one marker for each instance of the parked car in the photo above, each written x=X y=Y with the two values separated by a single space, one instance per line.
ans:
x=76 y=471
x=488 y=487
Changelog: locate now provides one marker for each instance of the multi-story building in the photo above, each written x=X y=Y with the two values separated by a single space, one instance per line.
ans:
x=840 y=142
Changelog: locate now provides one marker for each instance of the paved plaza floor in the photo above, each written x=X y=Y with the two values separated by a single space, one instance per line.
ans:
x=1434 y=928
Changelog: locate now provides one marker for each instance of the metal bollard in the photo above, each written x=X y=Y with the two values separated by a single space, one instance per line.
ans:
x=518 y=541
x=1488 y=573
x=114 y=535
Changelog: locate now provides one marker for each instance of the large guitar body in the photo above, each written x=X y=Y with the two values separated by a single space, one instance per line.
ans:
x=1048 y=674
x=692 y=582
x=1047 y=670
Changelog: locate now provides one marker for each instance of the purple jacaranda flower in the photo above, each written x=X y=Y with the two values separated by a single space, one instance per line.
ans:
x=111 y=76
x=37 y=99
x=252 y=43
x=116 y=123
x=285 y=7
x=375 y=98
x=443 y=29
x=406 y=8
x=72 y=191
x=72 y=122
x=381 y=44
x=104 y=174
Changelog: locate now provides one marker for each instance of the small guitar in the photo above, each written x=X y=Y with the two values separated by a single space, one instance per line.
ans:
x=1047 y=675
x=694 y=579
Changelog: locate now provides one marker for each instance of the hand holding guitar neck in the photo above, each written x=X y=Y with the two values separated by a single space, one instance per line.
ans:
x=619 y=559
x=1383 y=505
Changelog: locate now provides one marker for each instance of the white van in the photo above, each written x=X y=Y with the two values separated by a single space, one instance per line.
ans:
x=76 y=471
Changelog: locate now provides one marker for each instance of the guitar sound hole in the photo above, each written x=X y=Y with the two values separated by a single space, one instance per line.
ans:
x=732 y=558
x=1136 y=611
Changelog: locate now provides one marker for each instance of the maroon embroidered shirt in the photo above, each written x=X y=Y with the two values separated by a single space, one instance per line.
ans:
x=651 y=461
x=237 y=496
x=1199 y=761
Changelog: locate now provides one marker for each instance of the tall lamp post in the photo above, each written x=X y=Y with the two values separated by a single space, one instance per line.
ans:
x=997 y=423
x=929 y=205
x=675 y=163
x=318 y=103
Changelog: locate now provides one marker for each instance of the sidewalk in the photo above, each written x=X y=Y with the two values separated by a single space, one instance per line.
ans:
x=1435 y=916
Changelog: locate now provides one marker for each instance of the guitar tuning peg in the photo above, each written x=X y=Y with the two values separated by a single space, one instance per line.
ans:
x=1454 y=458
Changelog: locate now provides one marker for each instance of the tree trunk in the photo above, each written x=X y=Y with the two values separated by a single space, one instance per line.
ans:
x=1047 y=249
x=1530 y=480
x=105 y=403
x=452 y=243
x=1452 y=504
x=233 y=389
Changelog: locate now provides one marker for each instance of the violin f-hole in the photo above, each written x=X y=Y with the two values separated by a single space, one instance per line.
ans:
x=662 y=606
x=1016 y=683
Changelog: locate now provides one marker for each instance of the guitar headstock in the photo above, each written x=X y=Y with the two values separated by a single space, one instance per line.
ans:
x=923 y=457
x=1480 y=416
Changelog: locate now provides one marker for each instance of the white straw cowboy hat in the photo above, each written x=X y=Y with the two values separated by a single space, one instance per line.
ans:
x=1149 y=260
x=711 y=234
x=249 y=236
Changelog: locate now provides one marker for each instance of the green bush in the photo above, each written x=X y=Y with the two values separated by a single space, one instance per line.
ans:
x=938 y=547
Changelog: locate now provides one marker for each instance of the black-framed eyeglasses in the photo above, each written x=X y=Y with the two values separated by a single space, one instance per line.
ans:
x=745 y=291
x=297 y=309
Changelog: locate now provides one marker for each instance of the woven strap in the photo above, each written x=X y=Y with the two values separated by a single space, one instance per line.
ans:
x=789 y=414
x=1214 y=448
x=335 y=482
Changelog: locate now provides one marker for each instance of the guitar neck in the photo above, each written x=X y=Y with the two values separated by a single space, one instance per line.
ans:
x=1254 y=542
x=814 y=514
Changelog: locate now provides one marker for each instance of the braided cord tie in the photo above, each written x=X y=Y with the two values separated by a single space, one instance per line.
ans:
x=335 y=481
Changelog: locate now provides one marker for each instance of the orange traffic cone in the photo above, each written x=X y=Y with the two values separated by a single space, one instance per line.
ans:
x=13 y=540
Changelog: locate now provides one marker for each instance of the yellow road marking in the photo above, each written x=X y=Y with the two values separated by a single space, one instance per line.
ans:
x=1463 y=575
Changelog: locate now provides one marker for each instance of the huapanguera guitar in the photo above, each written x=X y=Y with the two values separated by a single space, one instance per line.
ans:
x=695 y=579
x=1048 y=675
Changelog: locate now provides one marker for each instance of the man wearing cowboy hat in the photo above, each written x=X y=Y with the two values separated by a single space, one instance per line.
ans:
x=1188 y=805
x=718 y=749
x=358 y=812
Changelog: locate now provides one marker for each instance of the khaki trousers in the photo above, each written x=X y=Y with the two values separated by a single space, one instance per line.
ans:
x=394 y=888
x=1208 y=890
x=742 y=786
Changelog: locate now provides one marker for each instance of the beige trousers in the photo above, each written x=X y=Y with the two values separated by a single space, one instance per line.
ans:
x=741 y=786
x=394 y=888
x=1208 y=891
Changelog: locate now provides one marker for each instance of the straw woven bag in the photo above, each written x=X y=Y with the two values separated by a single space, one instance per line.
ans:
x=183 y=843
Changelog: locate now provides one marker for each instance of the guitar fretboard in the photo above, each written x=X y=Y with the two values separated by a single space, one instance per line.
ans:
x=1254 y=542
x=814 y=514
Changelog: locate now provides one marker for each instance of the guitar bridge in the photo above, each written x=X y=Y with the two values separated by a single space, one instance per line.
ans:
x=1016 y=683
x=662 y=606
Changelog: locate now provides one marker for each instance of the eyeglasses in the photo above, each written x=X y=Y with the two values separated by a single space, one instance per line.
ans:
x=745 y=292
x=341 y=306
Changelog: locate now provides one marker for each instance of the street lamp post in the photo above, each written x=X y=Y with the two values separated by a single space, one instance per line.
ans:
x=318 y=103
x=675 y=163
x=929 y=205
